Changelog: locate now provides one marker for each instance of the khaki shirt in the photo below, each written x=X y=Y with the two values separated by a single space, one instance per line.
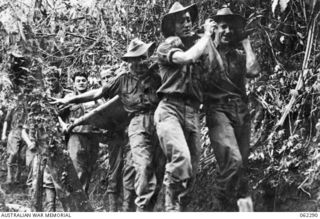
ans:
x=137 y=92
x=78 y=110
x=179 y=79
x=226 y=79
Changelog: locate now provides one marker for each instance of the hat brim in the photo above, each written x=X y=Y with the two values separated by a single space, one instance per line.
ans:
x=237 y=18
x=167 y=24
x=149 y=47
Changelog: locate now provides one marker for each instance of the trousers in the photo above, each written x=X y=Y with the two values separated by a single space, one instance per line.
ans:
x=178 y=129
x=229 y=132
x=145 y=155
x=83 y=150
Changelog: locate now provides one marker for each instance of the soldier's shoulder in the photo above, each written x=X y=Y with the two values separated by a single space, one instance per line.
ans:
x=171 y=42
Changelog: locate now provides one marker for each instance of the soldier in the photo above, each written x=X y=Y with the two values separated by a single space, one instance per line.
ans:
x=117 y=142
x=15 y=121
x=83 y=144
x=137 y=91
x=52 y=82
x=52 y=89
x=226 y=106
x=177 y=117
x=107 y=74
x=51 y=168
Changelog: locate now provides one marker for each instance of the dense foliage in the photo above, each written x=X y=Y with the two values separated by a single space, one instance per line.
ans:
x=87 y=35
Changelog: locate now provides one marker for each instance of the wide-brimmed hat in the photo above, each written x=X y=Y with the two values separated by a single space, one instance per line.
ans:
x=227 y=15
x=167 y=23
x=137 y=48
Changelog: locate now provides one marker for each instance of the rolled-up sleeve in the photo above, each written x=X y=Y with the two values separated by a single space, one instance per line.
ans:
x=166 y=49
x=113 y=87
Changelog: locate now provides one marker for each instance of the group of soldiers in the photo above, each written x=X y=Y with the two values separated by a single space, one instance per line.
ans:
x=196 y=72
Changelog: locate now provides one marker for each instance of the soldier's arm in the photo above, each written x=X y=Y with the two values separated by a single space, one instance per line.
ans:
x=81 y=98
x=88 y=96
x=252 y=65
x=192 y=54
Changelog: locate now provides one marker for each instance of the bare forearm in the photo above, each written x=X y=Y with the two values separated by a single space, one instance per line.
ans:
x=252 y=65
x=193 y=53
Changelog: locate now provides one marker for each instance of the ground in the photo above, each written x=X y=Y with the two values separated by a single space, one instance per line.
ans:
x=288 y=199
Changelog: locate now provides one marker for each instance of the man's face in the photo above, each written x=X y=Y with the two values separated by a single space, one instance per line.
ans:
x=224 y=33
x=80 y=84
x=183 y=25
x=139 y=65
x=105 y=75
x=52 y=83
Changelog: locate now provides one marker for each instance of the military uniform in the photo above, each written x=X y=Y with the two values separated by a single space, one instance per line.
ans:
x=228 y=119
x=121 y=174
x=177 y=121
x=138 y=95
x=16 y=117
x=83 y=143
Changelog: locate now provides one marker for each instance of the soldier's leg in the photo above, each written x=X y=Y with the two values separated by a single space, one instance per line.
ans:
x=227 y=153
x=35 y=181
x=173 y=142
x=80 y=156
x=10 y=169
x=115 y=149
x=20 y=159
x=243 y=137
x=159 y=163
x=14 y=142
x=129 y=194
x=93 y=148
x=192 y=135
x=50 y=192
x=141 y=131
x=50 y=199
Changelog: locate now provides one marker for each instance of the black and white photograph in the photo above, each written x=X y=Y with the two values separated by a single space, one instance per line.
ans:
x=159 y=106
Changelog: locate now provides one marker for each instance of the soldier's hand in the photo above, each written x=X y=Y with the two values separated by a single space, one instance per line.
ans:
x=62 y=101
x=209 y=27
x=69 y=128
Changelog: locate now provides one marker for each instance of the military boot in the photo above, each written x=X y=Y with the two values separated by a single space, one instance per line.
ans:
x=113 y=202
x=50 y=200
x=128 y=200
